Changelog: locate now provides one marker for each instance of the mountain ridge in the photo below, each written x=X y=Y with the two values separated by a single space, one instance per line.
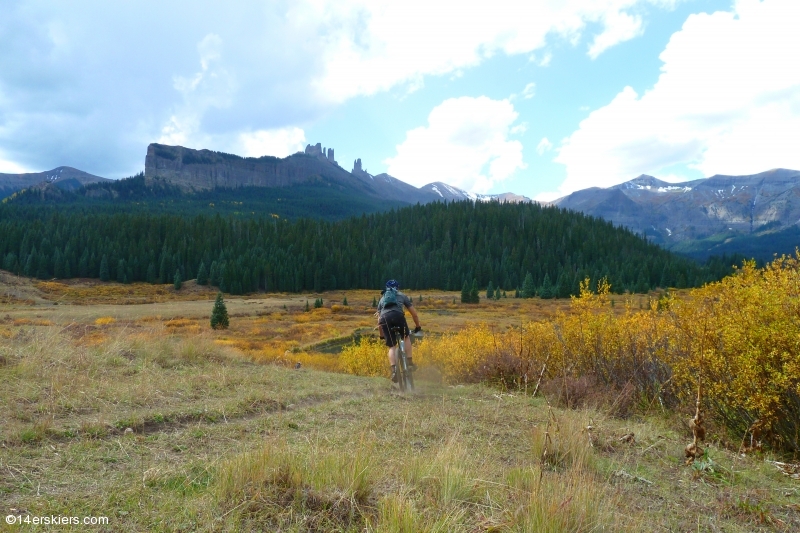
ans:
x=194 y=170
x=713 y=210
x=63 y=177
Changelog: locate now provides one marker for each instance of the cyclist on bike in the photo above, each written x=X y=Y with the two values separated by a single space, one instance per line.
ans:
x=390 y=313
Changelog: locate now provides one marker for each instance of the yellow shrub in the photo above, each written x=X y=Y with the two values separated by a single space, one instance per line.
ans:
x=367 y=358
x=105 y=320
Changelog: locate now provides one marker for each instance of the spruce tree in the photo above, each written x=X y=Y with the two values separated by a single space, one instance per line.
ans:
x=177 y=281
x=528 y=287
x=344 y=301
x=219 y=314
x=546 y=290
x=28 y=269
x=121 y=271
x=374 y=302
x=151 y=273
x=465 y=293
x=104 y=273
x=490 y=291
x=307 y=306
x=474 y=295
x=202 y=274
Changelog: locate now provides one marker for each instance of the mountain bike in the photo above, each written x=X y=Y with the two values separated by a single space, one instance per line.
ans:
x=405 y=378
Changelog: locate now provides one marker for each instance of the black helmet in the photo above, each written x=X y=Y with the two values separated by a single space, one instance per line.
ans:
x=392 y=284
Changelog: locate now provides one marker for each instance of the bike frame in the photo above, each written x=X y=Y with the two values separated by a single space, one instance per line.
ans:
x=404 y=378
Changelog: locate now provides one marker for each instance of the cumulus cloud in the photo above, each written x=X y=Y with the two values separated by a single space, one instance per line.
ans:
x=529 y=91
x=619 y=27
x=398 y=42
x=727 y=101
x=466 y=143
x=279 y=142
x=544 y=146
x=89 y=84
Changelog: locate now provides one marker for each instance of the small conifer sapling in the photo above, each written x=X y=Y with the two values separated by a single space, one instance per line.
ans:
x=219 y=314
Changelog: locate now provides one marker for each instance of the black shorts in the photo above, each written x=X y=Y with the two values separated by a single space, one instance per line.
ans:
x=393 y=319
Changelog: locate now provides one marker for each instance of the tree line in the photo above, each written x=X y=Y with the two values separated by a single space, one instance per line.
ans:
x=526 y=247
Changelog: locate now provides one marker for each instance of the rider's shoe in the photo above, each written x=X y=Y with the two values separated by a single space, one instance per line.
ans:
x=411 y=366
x=394 y=375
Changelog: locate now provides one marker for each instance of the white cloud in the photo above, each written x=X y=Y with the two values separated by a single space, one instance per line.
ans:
x=9 y=167
x=278 y=143
x=372 y=46
x=79 y=85
x=727 y=102
x=544 y=146
x=465 y=144
x=619 y=27
x=529 y=91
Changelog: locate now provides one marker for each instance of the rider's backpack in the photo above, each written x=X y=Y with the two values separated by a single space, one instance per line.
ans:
x=389 y=297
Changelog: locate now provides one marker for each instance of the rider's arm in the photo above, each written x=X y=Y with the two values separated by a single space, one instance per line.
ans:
x=414 y=315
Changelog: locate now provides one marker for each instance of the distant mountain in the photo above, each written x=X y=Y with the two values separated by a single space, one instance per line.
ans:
x=731 y=214
x=65 y=178
x=195 y=170
x=181 y=180
x=450 y=193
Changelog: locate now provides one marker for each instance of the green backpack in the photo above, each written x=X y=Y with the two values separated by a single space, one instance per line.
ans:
x=389 y=297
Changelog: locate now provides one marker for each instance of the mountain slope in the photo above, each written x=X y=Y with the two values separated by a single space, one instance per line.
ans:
x=700 y=215
x=65 y=178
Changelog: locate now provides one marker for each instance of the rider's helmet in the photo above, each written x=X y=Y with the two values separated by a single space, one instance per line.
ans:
x=392 y=284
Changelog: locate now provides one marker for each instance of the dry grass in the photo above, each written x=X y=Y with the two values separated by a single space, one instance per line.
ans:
x=220 y=442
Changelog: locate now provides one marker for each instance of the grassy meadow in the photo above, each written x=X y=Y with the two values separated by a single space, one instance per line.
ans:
x=120 y=401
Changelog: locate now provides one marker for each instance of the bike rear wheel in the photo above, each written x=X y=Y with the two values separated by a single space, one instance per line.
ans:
x=404 y=378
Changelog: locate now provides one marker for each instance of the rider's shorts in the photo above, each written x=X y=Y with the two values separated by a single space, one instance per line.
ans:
x=391 y=319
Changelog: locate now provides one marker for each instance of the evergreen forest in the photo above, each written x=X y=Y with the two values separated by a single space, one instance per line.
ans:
x=435 y=246
x=317 y=198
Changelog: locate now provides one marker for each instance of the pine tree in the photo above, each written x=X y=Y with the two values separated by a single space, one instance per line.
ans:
x=474 y=295
x=213 y=275
x=307 y=306
x=465 y=293
x=28 y=269
x=497 y=293
x=177 y=280
x=202 y=274
x=219 y=314
x=344 y=301
x=490 y=291
x=546 y=290
x=104 y=274
x=528 y=287
x=151 y=273
x=374 y=302
x=121 y=271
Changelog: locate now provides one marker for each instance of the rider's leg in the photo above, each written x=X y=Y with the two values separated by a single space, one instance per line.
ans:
x=393 y=355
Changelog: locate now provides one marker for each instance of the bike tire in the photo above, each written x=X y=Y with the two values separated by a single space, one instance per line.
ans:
x=409 y=379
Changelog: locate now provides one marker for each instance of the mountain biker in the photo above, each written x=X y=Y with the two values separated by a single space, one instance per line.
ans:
x=390 y=313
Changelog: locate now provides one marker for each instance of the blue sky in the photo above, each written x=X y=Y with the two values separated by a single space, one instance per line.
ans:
x=539 y=98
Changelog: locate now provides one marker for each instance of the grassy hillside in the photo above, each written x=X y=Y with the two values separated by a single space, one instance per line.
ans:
x=143 y=414
x=219 y=443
